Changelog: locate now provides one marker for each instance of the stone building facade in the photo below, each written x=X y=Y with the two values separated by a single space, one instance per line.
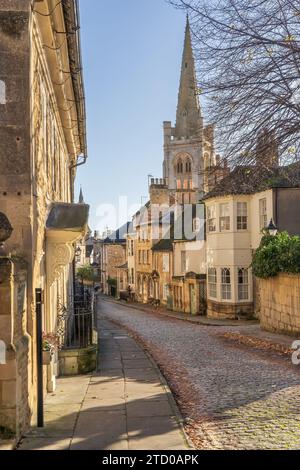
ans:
x=278 y=303
x=112 y=255
x=190 y=160
x=190 y=169
x=238 y=209
x=143 y=253
x=42 y=139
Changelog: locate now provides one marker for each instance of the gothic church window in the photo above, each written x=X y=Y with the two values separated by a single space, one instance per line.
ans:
x=225 y=284
x=188 y=166
x=179 y=167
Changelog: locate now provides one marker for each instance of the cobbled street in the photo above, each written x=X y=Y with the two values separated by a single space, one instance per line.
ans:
x=231 y=396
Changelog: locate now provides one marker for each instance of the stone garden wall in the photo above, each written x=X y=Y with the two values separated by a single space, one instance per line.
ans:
x=278 y=303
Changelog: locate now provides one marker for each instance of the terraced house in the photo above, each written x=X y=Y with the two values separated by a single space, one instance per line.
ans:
x=238 y=210
x=213 y=274
x=169 y=270
x=42 y=142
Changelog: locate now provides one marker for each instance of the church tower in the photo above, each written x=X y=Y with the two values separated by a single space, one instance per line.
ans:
x=189 y=146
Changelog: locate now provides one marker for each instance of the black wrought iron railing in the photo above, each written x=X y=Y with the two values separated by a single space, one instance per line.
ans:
x=79 y=328
x=76 y=322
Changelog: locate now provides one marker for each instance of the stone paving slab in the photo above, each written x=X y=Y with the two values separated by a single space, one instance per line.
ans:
x=149 y=408
x=124 y=405
x=40 y=443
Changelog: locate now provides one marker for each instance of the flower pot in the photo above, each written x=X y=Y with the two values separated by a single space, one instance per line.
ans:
x=47 y=358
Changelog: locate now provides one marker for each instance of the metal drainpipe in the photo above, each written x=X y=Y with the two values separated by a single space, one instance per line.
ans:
x=39 y=353
x=276 y=207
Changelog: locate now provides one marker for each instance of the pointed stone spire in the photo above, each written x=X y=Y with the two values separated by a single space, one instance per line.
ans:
x=188 y=119
x=81 y=200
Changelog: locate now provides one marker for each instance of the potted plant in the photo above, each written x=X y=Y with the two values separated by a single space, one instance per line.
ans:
x=50 y=346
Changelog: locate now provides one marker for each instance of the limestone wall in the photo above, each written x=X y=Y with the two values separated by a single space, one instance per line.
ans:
x=15 y=412
x=38 y=143
x=278 y=303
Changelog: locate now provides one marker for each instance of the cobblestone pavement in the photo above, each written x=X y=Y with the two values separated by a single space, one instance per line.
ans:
x=232 y=396
x=124 y=405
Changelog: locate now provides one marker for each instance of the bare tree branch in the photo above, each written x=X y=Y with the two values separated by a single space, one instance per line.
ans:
x=248 y=58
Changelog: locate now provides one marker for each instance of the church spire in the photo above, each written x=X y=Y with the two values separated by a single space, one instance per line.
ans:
x=81 y=199
x=188 y=119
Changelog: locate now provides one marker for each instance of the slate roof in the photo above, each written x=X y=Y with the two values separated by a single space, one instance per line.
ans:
x=163 y=245
x=253 y=179
x=124 y=266
x=119 y=236
x=177 y=231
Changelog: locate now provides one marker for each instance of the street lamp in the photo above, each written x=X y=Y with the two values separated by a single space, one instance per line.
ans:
x=272 y=229
x=78 y=254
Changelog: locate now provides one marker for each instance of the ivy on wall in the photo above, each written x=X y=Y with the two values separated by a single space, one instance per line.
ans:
x=277 y=254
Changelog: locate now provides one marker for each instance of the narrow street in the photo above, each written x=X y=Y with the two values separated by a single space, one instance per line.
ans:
x=231 y=396
x=124 y=405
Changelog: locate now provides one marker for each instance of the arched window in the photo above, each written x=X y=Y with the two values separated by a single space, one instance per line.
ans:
x=179 y=167
x=225 y=284
x=151 y=288
x=188 y=166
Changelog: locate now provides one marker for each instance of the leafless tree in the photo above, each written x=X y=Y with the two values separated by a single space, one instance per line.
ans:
x=248 y=59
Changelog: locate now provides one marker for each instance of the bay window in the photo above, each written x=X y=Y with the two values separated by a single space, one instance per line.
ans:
x=224 y=217
x=225 y=284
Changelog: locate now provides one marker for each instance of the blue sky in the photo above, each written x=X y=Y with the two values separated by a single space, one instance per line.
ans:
x=132 y=56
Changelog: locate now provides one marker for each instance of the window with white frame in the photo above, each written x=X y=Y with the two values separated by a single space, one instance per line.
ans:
x=263 y=221
x=212 y=283
x=224 y=217
x=165 y=291
x=166 y=262
x=196 y=225
x=243 y=284
x=183 y=262
x=151 y=288
x=211 y=219
x=242 y=216
x=225 y=284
